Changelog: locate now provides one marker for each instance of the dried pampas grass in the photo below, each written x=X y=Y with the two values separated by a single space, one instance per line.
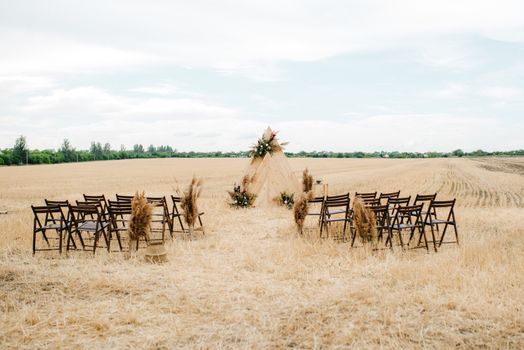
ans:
x=300 y=210
x=189 y=202
x=140 y=221
x=365 y=222
x=307 y=181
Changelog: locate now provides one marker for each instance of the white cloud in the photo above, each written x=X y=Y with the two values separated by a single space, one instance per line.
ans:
x=239 y=37
x=93 y=103
x=24 y=84
x=451 y=91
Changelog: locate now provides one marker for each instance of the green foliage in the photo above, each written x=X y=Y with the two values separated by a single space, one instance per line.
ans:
x=66 y=153
x=20 y=150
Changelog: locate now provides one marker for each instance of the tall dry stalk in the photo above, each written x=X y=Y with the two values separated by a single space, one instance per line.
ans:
x=140 y=220
x=300 y=210
x=189 y=203
x=307 y=181
x=365 y=222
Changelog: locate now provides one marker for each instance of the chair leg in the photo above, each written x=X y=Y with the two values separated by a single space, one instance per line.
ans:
x=45 y=238
x=443 y=234
x=97 y=235
x=34 y=242
x=433 y=237
x=60 y=244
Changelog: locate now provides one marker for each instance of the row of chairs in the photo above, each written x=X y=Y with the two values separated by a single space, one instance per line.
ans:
x=394 y=216
x=97 y=217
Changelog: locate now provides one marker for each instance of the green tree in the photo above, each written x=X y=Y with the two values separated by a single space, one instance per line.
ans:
x=20 y=151
x=67 y=151
x=457 y=153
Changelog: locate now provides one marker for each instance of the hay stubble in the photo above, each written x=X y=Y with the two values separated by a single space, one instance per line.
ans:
x=251 y=282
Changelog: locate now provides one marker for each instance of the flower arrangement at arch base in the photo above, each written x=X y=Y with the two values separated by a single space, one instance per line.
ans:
x=286 y=199
x=240 y=196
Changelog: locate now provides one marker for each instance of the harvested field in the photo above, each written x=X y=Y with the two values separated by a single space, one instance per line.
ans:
x=251 y=282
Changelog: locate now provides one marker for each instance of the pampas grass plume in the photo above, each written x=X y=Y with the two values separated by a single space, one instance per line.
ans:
x=307 y=181
x=300 y=210
x=141 y=213
x=365 y=221
x=189 y=200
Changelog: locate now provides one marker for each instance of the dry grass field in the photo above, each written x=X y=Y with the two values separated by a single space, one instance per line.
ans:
x=251 y=282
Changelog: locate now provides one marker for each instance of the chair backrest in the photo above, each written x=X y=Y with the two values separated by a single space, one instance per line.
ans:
x=42 y=215
x=97 y=198
x=338 y=196
x=425 y=199
x=114 y=206
x=398 y=202
x=119 y=214
x=157 y=201
x=407 y=213
x=62 y=204
x=389 y=195
x=317 y=200
x=124 y=198
x=442 y=210
x=371 y=202
x=79 y=213
x=366 y=195
x=337 y=203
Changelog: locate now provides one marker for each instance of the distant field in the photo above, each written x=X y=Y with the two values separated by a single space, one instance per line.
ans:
x=251 y=283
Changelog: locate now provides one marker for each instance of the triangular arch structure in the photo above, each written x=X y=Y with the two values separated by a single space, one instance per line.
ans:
x=271 y=175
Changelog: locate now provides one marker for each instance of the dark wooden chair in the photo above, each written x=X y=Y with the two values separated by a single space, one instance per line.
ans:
x=383 y=197
x=336 y=209
x=119 y=215
x=409 y=218
x=88 y=218
x=49 y=218
x=383 y=222
x=444 y=214
x=176 y=213
x=160 y=216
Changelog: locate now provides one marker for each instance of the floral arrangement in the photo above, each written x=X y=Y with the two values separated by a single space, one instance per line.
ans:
x=240 y=196
x=264 y=146
x=287 y=199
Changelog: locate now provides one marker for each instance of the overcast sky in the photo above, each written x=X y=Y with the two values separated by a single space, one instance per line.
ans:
x=212 y=75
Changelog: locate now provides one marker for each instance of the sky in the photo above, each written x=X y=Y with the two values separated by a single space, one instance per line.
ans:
x=403 y=75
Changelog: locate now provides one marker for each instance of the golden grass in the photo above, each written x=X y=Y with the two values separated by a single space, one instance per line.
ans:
x=140 y=221
x=251 y=282
x=365 y=221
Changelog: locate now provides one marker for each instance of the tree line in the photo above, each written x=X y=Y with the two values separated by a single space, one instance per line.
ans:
x=20 y=153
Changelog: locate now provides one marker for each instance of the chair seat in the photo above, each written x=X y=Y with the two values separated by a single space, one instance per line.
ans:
x=337 y=220
x=335 y=212
x=55 y=226
x=440 y=221
x=91 y=226
x=404 y=226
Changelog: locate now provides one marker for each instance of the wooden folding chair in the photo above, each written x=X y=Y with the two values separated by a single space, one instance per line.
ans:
x=119 y=215
x=335 y=209
x=48 y=218
x=176 y=213
x=160 y=216
x=441 y=210
x=383 y=222
x=408 y=218
x=383 y=197
x=88 y=218
x=64 y=204
x=97 y=198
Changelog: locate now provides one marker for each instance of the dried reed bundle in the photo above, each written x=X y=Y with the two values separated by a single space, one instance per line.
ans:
x=140 y=221
x=300 y=210
x=365 y=222
x=189 y=203
x=307 y=181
